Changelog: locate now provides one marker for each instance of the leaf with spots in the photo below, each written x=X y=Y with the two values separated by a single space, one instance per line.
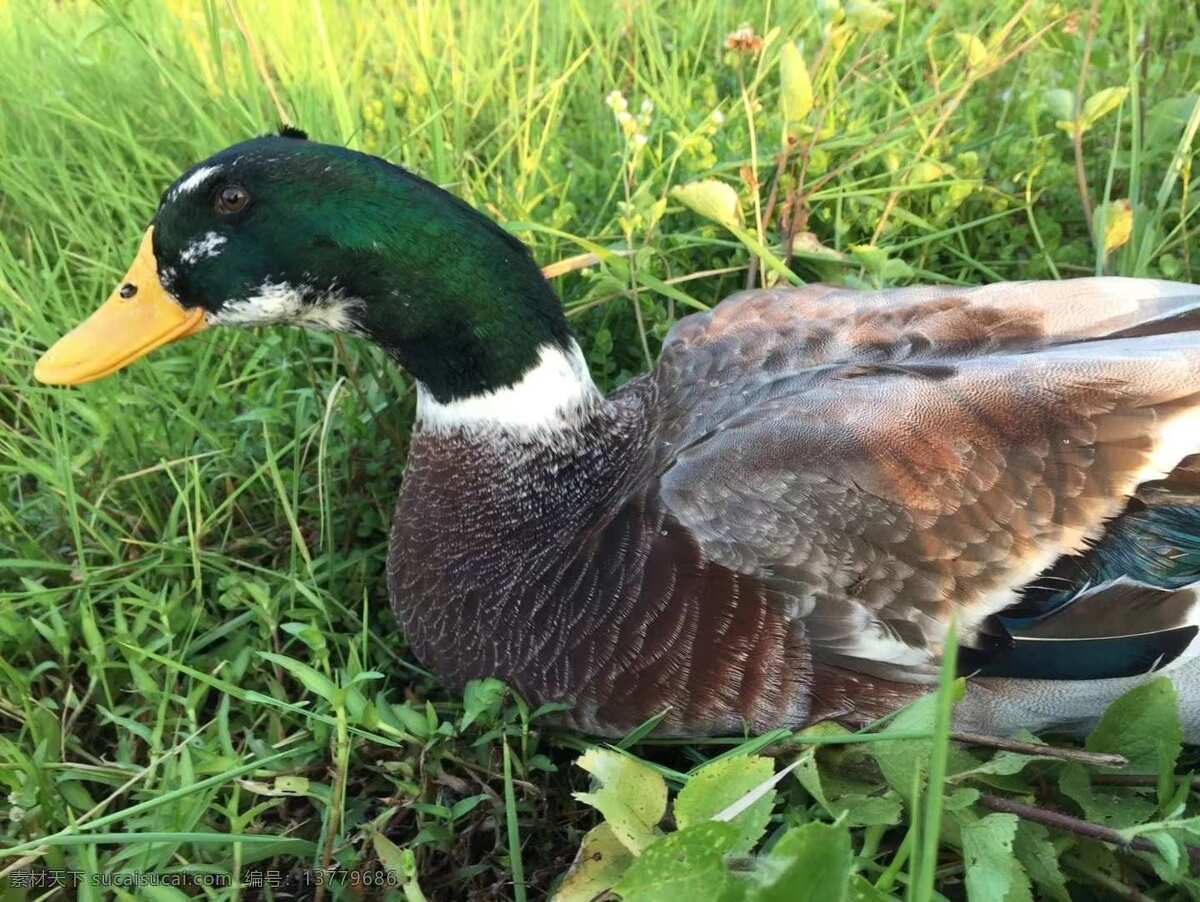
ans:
x=1106 y=805
x=993 y=872
x=867 y=811
x=1039 y=858
x=598 y=865
x=631 y=796
x=718 y=785
x=686 y=864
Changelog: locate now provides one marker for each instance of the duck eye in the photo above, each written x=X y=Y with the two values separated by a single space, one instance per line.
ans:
x=232 y=199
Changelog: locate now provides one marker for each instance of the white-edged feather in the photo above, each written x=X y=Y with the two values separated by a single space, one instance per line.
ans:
x=554 y=395
x=197 y=178
x=279 y=302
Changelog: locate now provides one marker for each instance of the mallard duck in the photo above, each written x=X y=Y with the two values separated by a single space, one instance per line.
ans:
x=777 y=525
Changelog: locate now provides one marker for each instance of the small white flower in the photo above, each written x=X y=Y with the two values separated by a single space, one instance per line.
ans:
x=647 y=107
x=623 y=117
x=640 y=140
x=718 y=117
x=616 y=102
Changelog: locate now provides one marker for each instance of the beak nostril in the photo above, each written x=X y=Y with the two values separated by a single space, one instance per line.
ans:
x=128 y=290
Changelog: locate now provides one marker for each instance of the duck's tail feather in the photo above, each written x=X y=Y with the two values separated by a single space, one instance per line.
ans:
x=1118 y=629
x=1128 y=607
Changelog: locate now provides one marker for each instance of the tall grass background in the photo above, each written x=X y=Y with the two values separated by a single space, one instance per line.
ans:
x=198 y=668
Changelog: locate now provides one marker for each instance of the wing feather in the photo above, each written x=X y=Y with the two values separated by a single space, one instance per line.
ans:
x=889 y=460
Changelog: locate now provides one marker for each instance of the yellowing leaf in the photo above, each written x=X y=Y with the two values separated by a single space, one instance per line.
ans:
x=291 y=785
x=838 y=37
x=1095 y=108
x=1116 y=219
x=868 y=16
x=632 y=797
x=796 y=93
x=1102 y=103
x=927 y=171
x=599 y=864
x=977 y=53
x=711 y=199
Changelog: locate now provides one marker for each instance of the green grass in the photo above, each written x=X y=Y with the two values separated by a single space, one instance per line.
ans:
x=198 y=667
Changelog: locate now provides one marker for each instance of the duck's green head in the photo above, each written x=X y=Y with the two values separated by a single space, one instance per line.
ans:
x=286 y=230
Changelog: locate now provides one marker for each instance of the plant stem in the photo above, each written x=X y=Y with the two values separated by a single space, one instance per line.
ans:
x=338 y=802
x=1078 y=826
x=1095 y=759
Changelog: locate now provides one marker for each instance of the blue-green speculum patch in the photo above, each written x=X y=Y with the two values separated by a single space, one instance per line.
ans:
x=285 y=230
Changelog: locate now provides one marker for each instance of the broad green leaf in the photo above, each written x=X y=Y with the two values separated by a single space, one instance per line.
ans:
x=1107 y=805
x=632 y=797
x=1167 y=120
x=1061 y=103
x=311 y=678
x=961 y=799
x=1143 y=725
x=1006 y=764
x=1039 y=858
x=598 y=865
x=1116 y=220
x=796 y=93
x=688 y=864
x=399 y=863
x=412 y=720
x=870 y=256
x=306 y=633
x=463 y=807
x=481 y=697
x=809 y=864
x=877 y=262
x=809 y=775
x=901 y=758
x=993 y=872
x=718 y=785
x=1169 y=837
x=866 y=811
x=390 y=855
x=712 y=199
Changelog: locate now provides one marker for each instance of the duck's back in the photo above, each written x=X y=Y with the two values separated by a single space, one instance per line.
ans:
x=887 y=461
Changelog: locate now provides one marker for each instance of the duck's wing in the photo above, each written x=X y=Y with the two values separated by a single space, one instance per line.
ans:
x=888 y=461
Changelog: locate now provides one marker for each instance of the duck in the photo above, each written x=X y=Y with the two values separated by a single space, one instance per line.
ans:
x=783 y=522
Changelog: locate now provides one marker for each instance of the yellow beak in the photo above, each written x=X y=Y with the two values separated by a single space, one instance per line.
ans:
x=138 y=317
